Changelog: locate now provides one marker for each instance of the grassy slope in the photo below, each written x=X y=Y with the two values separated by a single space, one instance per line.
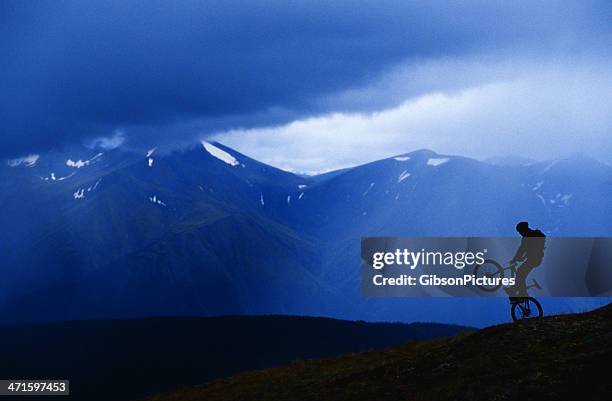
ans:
x=558 y=357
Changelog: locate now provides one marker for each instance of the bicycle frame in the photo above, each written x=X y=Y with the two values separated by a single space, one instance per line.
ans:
x=512 y=269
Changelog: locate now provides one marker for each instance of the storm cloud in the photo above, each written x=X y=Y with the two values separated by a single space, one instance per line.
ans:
x=170 y=72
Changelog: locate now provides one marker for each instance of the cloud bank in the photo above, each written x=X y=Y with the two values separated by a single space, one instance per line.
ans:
x=537 y=111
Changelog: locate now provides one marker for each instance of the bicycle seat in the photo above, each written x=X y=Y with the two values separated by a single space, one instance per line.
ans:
x=536 y=284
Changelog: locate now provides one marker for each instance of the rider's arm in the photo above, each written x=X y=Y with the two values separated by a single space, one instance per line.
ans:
x=520 y=252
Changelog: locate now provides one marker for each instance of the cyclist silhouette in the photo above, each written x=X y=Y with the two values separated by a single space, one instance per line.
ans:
x=531 y=253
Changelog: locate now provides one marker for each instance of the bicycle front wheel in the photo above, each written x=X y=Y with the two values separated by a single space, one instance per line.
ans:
x=489 y=269
x=526 y=308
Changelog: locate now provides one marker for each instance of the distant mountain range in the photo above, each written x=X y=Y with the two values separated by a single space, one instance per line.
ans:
x=208 y=231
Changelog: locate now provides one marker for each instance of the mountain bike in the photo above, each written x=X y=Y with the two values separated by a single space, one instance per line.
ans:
x=522 y=307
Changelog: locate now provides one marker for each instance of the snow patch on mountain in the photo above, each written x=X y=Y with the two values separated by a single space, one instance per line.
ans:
x=549 y=166
x=401 y=158
x=261 y=199
x=566 y=198
x=562 y=199
x=94 y=186
x=436 y=161
x=154 y=199
x=28 y=161
x=79 y=194
x=220 y=154
x=82 y=163
x=405 y=174
x=538 y=185
x=66 y=176
x=150 y=160
x=53 y=177
x=369 y=188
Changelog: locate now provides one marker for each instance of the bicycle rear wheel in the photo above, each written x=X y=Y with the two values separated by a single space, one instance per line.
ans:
x=526 y=308
x=489 y=269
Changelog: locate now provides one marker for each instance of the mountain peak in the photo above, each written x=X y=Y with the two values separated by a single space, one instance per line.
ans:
x=423 y=153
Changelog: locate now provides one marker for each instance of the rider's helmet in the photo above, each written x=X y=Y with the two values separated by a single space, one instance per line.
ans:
x=522 y=227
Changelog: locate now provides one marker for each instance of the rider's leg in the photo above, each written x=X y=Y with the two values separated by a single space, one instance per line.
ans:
x=521 y=277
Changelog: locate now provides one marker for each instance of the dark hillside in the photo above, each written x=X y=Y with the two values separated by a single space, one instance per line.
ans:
x=130 y=358
x=558 y=357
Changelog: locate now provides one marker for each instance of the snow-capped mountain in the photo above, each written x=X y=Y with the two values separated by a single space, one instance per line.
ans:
x=89 y=233
x=423 y=193
x=427 y=194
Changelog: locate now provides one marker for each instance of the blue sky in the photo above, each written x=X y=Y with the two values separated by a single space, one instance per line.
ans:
x=309 y=86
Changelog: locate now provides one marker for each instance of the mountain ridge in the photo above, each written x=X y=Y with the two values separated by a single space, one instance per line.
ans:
x=557 y=357
x=145 y=356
